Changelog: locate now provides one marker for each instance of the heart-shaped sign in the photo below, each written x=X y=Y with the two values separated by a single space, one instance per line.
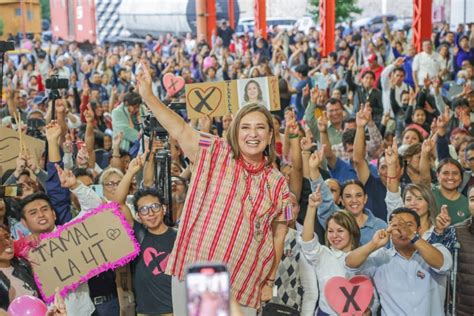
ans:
x=113 y=234
x=349 y=297
x=173 y=84
x=204 y=101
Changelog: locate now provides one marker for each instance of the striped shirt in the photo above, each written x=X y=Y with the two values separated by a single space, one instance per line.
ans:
x=227 y=218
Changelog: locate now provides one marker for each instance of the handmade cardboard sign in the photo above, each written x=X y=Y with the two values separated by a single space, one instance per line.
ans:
x=81 y=249
x=173 y=84
x=222 y=97
x=10 y=147
x=349 y=297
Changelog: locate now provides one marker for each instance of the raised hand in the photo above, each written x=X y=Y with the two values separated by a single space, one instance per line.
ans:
x=144 y=80
x=66 y=178
x=427 y=82
x=20 y=165
x=67 y=145
x=427 y=146
x=391 y=154
x=306 y=90
x=323 y=123
x=292 y=127
x=59 y=307
x=314 y=95
x=315 y=199
x=364 y=116
x=412 y=97
x=135 y=165
x=380 y=238
x=53 y=131
x=85 y=88
x=316 y=158
x=443 y=220
x=30 y=160
x=60 y=107
x=306 y=143
x=117 y=139
x=82 y=158
x=399 y=62
x=89 y=115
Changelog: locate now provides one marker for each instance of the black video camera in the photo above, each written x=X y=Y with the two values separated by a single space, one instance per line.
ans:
x=150 y=124
x=55 y=83
x=6 y=46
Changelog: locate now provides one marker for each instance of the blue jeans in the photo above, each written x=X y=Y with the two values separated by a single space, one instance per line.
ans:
x=109 y=308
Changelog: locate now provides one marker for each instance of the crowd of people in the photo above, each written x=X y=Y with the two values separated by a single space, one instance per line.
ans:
x=367 y=168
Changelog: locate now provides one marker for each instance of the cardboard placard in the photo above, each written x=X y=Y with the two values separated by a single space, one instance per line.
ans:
x=81 y=249
x=349 y=297
x=222 y=97
x=10 y=147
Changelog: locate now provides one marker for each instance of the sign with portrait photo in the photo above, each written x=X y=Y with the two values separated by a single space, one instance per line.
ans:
x=222 y=97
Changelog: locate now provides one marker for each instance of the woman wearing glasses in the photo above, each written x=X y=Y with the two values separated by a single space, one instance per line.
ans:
x=152 y=288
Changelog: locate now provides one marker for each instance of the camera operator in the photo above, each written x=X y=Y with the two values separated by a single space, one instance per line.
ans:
x=126 y=118
x=36 y=124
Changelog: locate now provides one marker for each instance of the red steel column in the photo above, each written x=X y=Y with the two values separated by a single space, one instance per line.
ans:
x=327 y=18
x=422 y=23
x=260 y=17
x=231 y=9
x=201 y=20
x=211 y=19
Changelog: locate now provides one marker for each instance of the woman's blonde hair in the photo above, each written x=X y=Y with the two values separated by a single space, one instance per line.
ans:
x=108 y=172
x=426 y=194
x=233 y=132
x=347 y=221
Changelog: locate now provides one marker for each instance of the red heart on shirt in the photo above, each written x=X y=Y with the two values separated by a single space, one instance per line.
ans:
x=349 y=297
x=173 y=84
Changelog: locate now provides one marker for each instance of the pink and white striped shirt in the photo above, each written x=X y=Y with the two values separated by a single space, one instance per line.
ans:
x=227 y=218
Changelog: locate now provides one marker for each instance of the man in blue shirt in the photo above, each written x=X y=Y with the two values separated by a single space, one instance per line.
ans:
x=301 y=73
x=409 y=277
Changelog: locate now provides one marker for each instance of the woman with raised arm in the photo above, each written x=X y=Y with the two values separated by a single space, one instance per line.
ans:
x=237 y=207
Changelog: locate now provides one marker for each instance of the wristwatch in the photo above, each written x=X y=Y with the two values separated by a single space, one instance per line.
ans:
x=415 y=239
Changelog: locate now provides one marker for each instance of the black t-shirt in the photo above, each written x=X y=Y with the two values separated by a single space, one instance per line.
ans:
x=151 y=285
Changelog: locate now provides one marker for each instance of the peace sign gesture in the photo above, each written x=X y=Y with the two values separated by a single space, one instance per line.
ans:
x=144 y=80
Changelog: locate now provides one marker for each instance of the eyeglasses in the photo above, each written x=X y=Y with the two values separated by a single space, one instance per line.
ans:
x=112 y=184
x=154 y=207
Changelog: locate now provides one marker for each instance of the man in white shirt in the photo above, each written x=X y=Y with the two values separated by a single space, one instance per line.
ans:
x=427 y=64
x=409 y=276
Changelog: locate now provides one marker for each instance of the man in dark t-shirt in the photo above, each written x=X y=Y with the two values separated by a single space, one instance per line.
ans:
x=152 y=287
x=225 y=33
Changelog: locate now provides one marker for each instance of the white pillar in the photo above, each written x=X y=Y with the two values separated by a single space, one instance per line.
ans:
x=384 y=7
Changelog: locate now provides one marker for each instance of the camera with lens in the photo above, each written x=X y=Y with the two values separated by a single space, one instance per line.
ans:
x=151 y=125
x=35 y=127
x=54 y=83
x=57 y=83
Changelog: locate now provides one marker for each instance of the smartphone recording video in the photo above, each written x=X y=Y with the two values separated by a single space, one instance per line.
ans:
x=207 y=289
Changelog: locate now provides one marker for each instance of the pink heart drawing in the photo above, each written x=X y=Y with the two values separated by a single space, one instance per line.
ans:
x=173 y=84
x=349 y=297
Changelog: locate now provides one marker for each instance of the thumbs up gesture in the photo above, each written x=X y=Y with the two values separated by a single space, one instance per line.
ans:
x=443 y=220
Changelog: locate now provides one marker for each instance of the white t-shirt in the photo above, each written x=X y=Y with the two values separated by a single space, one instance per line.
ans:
x=430 y=64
